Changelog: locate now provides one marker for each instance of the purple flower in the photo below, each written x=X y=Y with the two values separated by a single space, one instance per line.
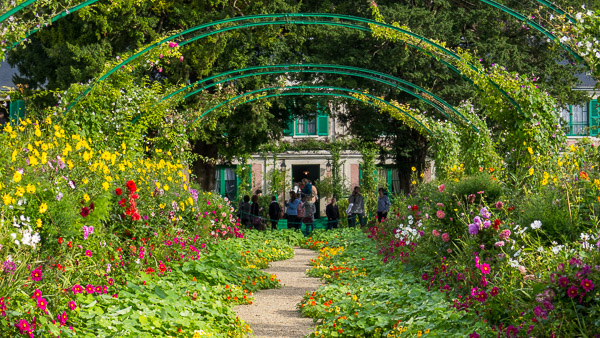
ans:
x=572 y=292
x=59 y=196
x=477 y=221
x=563 y=282
x=486 y=224
x=473 y=229
x=9 y=267
x=485 y=213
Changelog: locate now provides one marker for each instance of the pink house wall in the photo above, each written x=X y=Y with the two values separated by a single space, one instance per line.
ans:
x=257 y=177
x=354 y=175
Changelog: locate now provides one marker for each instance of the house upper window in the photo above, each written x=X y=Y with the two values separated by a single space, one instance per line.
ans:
x=306 y=126
x=583 y=120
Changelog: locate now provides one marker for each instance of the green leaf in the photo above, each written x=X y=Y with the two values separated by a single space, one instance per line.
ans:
x=159 y=292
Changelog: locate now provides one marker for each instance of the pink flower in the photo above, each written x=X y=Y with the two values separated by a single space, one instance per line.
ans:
x=77 y=289
x=181 y=58
x=88 y=253
x=37 y=275
x=445 y=237
x=89 y=288
x=485 y=268
x=440 y=214
x=587 y=285
x=505 y=234
x=42 y=303
x=572 y=292
x=37 y=294
x=499 y=244
x=441 y=188
x=72 y=305
x=435 y=233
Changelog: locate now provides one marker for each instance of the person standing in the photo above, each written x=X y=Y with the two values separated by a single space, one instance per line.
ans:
x=274 y=211
x=333 y=214
x=357 y=208
x=292 y=211
x=383 y=205
x=309 y=215
x=245 y=211
x=255 y=213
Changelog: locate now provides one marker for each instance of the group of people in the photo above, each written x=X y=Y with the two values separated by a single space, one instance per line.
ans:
x=300 y=208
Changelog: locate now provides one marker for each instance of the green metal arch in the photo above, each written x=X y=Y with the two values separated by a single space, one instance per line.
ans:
x=257 y=91
x=54 y=19
x=289 y=20
x=16 y=9
x=536 y=26
x=287 y=70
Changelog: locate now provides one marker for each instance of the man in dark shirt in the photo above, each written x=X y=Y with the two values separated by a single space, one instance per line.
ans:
x=274 y=210
x=333 y=214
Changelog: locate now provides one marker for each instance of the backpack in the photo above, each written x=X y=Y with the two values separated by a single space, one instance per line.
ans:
x=300 y=210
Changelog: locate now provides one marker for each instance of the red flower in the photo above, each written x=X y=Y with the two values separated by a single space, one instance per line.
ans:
x=85 y=212
x=118 y=191
x=122 y=203
x=415 y=207
x=572 y=292
x=149 y=271
x=135 y=216
x=92 y=207
x=131 y=186
x=511 y=208
x=60 y=240
x=497 y=223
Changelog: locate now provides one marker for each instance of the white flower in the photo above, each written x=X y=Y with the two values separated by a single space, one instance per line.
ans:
x=17 y=242
x=540 y=249
x=584 y=237
x=557 y=249
x=536 y=225
x=517 y=253
x=513 y=263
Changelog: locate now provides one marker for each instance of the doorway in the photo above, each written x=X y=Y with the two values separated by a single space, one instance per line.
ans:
x=308 y=171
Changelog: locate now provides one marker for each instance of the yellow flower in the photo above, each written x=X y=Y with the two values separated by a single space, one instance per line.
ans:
x=544 y=181
x=191 y=200
x=414 y=182
x=33 y=161
x=39 y=223
x=426 y=331
x=43 y=208
x=162 y=205
x=70 y=164
x=38 y=132
x=166 y=187
x=105 y=186
x=86 y=197
x=8 y=200
x=530 y=171
x=530 y=150
x=31 y=188
x=85 y=181
x=157 y=184
x=546 y=175
x=20 y=191
x=413 y=169
x=422 y=175
x=419 y=333
x=17 y=176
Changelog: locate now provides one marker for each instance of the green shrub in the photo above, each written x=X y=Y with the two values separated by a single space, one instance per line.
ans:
x=551 y=208
x=473 y=184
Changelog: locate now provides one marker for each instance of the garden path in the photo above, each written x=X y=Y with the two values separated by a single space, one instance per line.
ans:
x=273 y=312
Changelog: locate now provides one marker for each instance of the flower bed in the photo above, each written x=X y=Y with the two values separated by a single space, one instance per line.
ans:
x=100 y=242
x=367 y=299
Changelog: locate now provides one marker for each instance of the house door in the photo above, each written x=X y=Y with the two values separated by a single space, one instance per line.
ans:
x=308 y=171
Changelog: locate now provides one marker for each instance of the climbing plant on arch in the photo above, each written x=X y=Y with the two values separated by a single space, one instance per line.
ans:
x=533 y=121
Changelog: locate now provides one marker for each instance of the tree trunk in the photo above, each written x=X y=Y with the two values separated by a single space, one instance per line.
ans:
x=205 y=171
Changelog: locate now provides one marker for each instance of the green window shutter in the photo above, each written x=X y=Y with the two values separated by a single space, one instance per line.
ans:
x=594 y=117
x=360 y=174
x=289 y=129
x=17 y=111
x=322 y=124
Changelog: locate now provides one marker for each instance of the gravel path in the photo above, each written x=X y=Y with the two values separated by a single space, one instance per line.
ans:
x=273 y=312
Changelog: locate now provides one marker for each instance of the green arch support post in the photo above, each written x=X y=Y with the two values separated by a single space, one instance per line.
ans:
x=257 y=91
x=324 y=69
x=289 y=19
